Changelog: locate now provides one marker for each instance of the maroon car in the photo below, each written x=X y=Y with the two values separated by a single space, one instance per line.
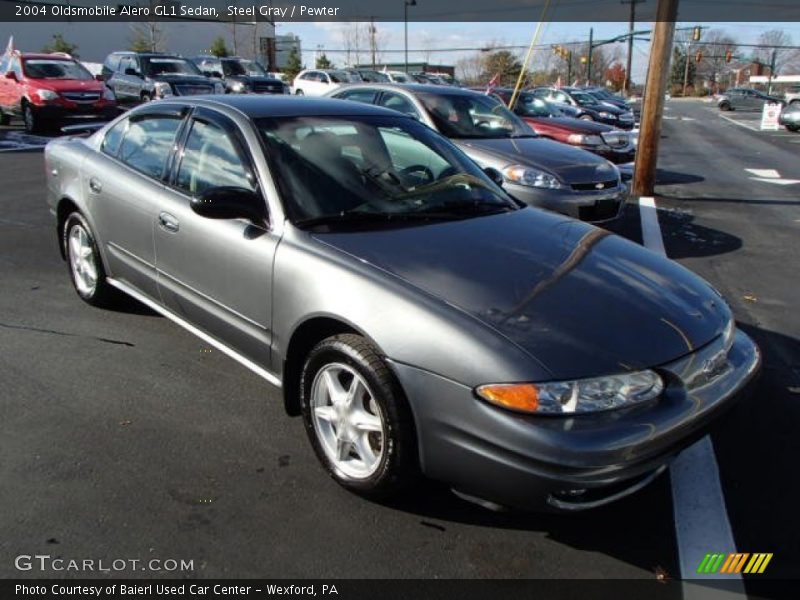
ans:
x=549 y=121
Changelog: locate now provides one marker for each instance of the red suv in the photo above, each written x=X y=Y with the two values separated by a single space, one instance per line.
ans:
x=47 y=89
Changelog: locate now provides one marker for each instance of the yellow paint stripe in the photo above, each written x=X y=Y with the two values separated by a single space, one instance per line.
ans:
x=741 y=562
x=765 y=563
x=754 y=562
x=731 y=558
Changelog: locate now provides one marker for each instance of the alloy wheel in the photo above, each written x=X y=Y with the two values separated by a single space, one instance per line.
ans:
x=347 y=421
x=82 y=260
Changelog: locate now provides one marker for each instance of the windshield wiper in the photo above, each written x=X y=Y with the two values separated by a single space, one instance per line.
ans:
x=462 y=207
x=361 y=217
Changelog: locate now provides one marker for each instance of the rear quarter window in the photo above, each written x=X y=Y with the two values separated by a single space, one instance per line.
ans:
x=113 y=138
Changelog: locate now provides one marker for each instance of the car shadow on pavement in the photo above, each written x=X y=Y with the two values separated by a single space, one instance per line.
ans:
x=637 y=530
x=664 y=177
x=686 y=239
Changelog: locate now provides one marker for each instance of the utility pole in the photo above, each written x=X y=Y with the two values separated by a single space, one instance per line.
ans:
x=626 y=86
x=772 y=70
x=644 y=178
x=589 y=60
x=373 y=42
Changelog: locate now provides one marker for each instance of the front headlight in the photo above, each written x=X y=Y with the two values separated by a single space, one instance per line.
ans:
x=219 y=88
x=47 y=94
x=585 y=140
x=238 y=87
x=577 y=396
x=531 y=177
x=162 y=89
x=607 y=115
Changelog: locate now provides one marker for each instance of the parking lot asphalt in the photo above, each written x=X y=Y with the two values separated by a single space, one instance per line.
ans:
x=126 y=437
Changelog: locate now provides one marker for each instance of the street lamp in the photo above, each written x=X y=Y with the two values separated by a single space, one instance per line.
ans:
x=406 y=4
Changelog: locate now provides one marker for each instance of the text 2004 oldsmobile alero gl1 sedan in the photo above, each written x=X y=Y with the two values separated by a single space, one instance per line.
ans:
x=415 y=315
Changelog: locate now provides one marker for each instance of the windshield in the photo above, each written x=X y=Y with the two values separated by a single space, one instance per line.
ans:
x=374 y=171
x=374 y=77
x=584 y=99
x=400 y=78
x=169 y=66
x=473 y=116
x=233 y=68
x=529 y=105
x=37 y=68
x=254 y=68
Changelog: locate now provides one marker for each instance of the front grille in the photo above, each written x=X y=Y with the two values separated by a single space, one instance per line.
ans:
x=597 y=186
x=601 y=211
x=82 y=97
x=193 y=90
x=268 y=88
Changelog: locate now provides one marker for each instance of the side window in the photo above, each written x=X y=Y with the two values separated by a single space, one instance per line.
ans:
x=113 y=139
x=561 y=97
x=365 y=96
x=211 y=159
x=148 y=143
x=398 y=103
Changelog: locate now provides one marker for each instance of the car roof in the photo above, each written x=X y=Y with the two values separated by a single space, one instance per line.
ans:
x=258 y=106
x=416 y=88
x=52 y=56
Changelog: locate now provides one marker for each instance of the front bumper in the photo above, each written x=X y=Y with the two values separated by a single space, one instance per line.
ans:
x=571 y=463
x=591 y=206
x=54 y=112
x=616 y=155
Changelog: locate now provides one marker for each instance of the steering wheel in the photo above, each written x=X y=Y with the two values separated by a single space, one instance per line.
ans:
x=418 y=169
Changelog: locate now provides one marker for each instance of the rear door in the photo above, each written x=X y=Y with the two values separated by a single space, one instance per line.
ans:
x=123 y=185
x=216 y=273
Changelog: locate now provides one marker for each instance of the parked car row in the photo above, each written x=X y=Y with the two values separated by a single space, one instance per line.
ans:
x=318 y=82
x=418 y=317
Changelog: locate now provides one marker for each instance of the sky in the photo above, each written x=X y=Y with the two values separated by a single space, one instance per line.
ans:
x=453 y=35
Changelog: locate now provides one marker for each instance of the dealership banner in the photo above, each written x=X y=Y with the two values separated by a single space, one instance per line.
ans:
x=398 y=10
x=382 y=589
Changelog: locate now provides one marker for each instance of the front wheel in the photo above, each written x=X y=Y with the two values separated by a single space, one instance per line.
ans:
x=4 y=118
x=724 y=106
x=85 y=266
x=357 y=418
x=33 y=121
x=299 y=93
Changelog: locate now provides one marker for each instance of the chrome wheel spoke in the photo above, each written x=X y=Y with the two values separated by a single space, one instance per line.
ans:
x=364 y=449
x=364 y=421
x=325 y=413
x=335 y=391
x=343 y=449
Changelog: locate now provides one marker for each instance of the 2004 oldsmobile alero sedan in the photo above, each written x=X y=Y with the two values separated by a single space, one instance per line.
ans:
x=417 y=317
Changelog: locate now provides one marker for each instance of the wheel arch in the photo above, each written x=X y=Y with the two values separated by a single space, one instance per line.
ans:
x=65 y=207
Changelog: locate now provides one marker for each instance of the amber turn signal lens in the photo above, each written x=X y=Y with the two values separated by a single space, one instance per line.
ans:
x=516 y=396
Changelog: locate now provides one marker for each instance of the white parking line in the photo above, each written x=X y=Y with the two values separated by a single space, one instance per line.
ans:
x=701 y=519
x=739 y=123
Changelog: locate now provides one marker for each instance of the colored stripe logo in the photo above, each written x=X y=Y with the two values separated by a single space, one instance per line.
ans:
x=735 y=562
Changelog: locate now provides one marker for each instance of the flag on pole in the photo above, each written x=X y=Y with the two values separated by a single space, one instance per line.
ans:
x=9 y=46
x=493 y=83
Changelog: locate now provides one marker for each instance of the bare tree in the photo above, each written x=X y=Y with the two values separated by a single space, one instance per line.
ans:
x=784 y=57
x=427 y=43
x=470 y=68
x=713 y=65
x=148 y=36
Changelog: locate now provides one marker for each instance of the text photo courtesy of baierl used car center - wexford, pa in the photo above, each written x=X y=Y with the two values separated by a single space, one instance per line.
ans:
x=415 y=299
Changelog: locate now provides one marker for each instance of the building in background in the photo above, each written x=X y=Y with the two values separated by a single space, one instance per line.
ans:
x=274 y=50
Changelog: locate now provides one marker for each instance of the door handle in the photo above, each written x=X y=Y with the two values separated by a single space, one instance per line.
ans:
x=168 y=222
x=95 y=185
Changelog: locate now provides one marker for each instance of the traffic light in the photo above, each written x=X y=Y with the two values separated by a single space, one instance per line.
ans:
x=562 y=52
x=698 y=57
x=584 y=59
x=696 y=32
x=728 y=56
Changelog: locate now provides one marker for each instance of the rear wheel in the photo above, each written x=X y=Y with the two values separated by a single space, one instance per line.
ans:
x=85 y=266
x=4 y=118
x=356 y=417
x=299 y=93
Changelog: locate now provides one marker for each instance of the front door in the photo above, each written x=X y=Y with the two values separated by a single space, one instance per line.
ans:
x=216 y=273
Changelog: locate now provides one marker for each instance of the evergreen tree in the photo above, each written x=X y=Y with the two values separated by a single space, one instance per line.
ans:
x=293 y=65
x=59 y=44
x=218 y=48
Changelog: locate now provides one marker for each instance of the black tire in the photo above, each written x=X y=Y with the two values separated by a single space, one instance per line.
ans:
x=33 y=121
x=146 y=97
x=794 y=128
x=398 y=465
x=299 y=93
x=725 y=106
x=103 y=294
x=4 y=118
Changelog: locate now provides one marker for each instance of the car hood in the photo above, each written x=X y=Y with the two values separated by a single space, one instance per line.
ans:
x=570 y=125
x=580 y=300
x=70 y=85
x=183 y=79
x=571 y=165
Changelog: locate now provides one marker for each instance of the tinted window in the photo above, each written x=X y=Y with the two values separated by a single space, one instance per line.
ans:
x=112 y=62
x=148 y=142
x=398 y=103
x=365 y=96
x=127 y=62
x=210 y=159
x=37 y=68
x=113 y=138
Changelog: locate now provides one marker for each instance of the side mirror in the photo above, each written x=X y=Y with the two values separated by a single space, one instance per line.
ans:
x=227 y=202
x=100 y=77
x=495 y=175
x=131 y=71
x=11 y=75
